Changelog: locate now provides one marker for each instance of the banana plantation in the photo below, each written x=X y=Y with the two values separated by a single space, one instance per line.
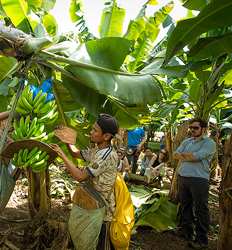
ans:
x=152 y=71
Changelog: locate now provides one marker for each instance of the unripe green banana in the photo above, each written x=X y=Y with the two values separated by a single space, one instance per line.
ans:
x=26 y=104
x=19 y=160
x=32 y=152
x=24 y=155
x=21 y=110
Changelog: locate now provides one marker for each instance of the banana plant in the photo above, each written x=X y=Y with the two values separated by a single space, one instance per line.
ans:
x=207 y=38
x=95 y=81
x=45 y=56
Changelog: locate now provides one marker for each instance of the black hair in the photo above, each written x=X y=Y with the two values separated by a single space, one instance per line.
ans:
x=202 y=122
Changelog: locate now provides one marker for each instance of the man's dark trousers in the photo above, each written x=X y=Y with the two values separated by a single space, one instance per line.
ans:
x=193 y=195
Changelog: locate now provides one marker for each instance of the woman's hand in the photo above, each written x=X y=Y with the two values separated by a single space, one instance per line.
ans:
x=58 y=150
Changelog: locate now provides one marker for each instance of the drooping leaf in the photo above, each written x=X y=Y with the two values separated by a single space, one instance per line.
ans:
x=108 y=52
x=159 y=214
x=217 y=14
x=82 y=95
x=132 y=90
x=112 y=20
x=76 y=95
x=211 y=47
x=50 y=24
x=7 y=66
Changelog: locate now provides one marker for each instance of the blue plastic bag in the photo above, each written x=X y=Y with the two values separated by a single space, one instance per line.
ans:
x=46 y=85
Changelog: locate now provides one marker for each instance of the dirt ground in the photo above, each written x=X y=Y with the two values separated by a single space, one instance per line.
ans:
x=15 y=225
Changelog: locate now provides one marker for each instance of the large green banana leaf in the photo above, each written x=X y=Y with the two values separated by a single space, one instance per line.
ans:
x=217 y=14
x=132 y=90
x=211 y=47
x=160 y=214
x=153 y=208
x=129 y=89
x=103 y=51
x=112 y=20
x=75 y=93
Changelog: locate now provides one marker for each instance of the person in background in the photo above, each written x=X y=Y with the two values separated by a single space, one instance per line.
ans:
x=123 y=164
x=148 y=160
x=157 y=170
x=162 y=142
x=100 y=172
x=195 y=154
x=135 y=141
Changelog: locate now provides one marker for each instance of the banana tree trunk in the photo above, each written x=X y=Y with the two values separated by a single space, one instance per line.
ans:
x=225 y=200
x=39 y=193
x=169 y=144
x=214 y=165
x=181 y=134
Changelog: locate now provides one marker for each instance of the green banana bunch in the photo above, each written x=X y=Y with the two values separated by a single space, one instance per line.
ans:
x=25 y=129
x=51 y=116
x=35 y=158
x=25 y=102
x=39 y=101
x=45 y=108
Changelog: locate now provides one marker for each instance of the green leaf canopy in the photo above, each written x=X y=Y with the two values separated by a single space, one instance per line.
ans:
x=217 y=14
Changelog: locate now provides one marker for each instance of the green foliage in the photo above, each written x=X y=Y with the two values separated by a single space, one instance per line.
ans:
x=112 y=20
x=211 y=47
x=145 y=31
x=8 y=66
x=216 y=14
x=195 y=4
x=50 y=24
x=109 y=52
x=76 y=12
x=16 y=10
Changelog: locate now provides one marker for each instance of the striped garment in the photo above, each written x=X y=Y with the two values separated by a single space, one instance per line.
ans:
x=102 y=168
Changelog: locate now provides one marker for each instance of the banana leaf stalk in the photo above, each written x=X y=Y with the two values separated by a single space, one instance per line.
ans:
x=18 y=44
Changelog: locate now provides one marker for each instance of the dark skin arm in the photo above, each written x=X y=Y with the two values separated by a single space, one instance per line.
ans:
x=76 y=173
x=4 y=115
